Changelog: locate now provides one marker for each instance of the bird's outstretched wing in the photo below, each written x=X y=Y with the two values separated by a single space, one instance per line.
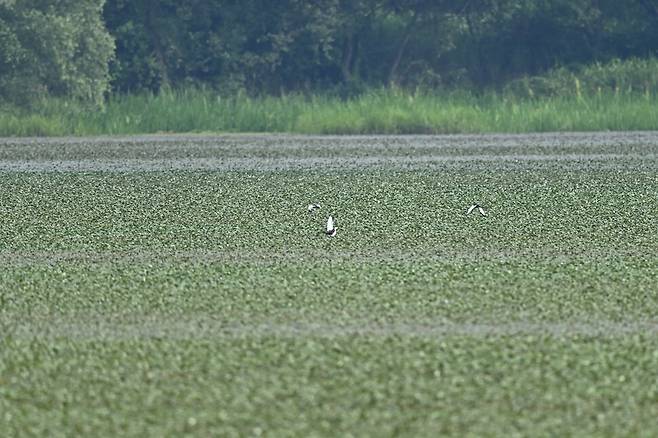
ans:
x=471 y=208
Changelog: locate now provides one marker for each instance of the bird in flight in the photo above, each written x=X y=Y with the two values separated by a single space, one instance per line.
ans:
x=473 y=207
x=331 y=228
x=312 y=207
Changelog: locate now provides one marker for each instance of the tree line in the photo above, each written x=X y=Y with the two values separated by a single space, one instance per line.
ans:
x=85 y=49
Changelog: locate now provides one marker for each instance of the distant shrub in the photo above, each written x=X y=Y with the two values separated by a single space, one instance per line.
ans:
x=53 y=49
x=619 y=77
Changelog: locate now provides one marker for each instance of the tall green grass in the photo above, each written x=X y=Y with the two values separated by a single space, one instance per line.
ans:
x=400 y=113
x=385 y=111
x=618 y=95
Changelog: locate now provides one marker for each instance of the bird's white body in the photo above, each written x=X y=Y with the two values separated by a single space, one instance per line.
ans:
x=331 y=227
x=312 y=207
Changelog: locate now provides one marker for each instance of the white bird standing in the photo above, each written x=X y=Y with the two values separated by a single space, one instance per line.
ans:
x=313 y=207
x=473 y=207
x=331 y=228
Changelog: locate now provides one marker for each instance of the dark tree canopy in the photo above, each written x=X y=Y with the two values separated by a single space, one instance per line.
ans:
x=65 y=47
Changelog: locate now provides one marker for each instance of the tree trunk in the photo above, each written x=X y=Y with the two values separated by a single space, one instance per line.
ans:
x=392 y=74
x=348 y=55
x=480 y=64
x=152 y=13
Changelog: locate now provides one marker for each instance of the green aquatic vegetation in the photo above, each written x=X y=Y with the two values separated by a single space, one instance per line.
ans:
x=174 y=285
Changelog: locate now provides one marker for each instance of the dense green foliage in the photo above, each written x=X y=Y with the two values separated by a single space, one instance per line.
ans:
x=53 y=49
x=261 y=45
x=172 y=285
x=342 y=46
